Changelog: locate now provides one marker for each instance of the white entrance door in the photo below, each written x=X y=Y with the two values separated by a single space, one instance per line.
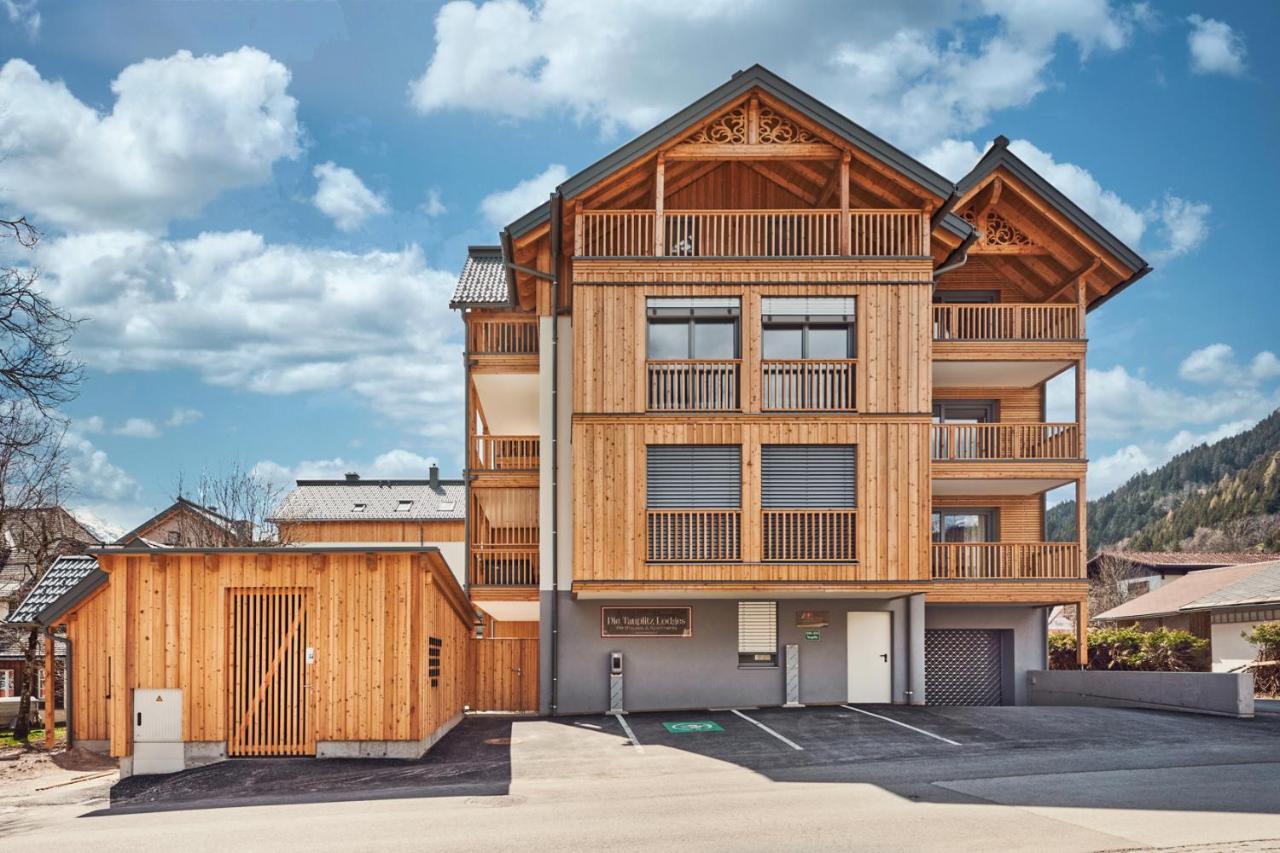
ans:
x=870 y=671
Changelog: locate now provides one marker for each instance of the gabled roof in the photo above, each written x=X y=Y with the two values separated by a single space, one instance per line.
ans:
x=58 y=589
x=1186 y=560
x=336 y=500
x=723 y=97
x=999 y=156
x=18 y=550
x=1171 y=597
x=181 y=504
x=1262 y=587
x=484 y=280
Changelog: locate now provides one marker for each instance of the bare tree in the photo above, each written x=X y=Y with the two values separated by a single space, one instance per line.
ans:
x=1109 y=587
x=230 y=507
x=37 y=375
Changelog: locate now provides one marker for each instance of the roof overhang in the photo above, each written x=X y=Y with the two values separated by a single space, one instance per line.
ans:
x=64 y=604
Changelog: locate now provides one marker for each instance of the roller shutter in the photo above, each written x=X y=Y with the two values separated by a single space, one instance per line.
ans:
x=694 y=476
x=963 y=666
x=808 y=475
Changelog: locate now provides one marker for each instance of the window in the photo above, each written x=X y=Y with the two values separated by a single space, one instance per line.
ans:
x=808 y=475
x=964 y=412
x=357 y=507
x=404 y=506
x=953 y=297
x=820 y=333
x=173 y=537
x=964 y=525
x=694 y=476
x=447 y=506
x=757 y=633
x=693 y=329
x=6 y=683
x=961 y=442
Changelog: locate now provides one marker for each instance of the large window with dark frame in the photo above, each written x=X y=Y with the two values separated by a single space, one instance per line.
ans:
x=960 y=537
x=693 y=348
x=693 y=499
x=961 y=436
x=809 y=346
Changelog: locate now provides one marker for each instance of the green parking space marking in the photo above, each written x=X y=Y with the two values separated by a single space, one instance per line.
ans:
x=692 y=726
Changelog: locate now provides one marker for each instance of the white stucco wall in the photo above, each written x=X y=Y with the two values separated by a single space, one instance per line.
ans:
x=1230 y=649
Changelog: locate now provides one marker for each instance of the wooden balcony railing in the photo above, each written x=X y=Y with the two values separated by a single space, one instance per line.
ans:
x=505 y=453
x=751 y=233
x=503 y=335
x=810 y=535
x=497 y=566
x=1009 y=441
x=1006 y=322
x=808 y=385
x=1006 y=560
x=693 y=386
x=694 y=535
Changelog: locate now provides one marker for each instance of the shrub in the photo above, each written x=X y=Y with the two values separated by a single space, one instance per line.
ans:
x=1266 y=636
x=1161 y=650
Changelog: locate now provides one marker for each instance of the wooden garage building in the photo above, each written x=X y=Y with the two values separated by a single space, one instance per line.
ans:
x=305 y=650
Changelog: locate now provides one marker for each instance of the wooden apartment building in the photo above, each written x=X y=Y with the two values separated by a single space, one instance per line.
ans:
x=759 y=395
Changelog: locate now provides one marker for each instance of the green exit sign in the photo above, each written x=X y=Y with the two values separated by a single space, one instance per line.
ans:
x=813 y=635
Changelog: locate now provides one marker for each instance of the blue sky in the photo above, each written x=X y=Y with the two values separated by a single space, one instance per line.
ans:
x=259 y=208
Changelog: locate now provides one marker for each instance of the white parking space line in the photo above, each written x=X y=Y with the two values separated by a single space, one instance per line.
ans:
x=904 y=725
x=627 y=728
x=763 y=727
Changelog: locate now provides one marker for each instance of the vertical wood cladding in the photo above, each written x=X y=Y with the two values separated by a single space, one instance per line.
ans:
x=894 y=343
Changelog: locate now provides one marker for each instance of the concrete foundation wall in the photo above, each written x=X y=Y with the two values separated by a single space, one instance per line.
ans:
x=1029 y=648
x=1221 y=694
x=702 y=671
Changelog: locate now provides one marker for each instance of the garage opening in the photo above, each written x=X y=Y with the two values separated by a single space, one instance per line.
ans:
x=968 y=666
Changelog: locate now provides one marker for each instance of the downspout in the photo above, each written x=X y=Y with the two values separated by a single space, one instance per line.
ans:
x=557 y=202
x=947 y=205
x=959 y=256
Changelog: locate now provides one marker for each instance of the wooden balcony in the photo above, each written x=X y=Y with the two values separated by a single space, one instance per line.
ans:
x=751 y=234
x=1006 y=441
x=694 y=535
x=693 y=386
x=502 y=335
x=810 y=535
x=1007 y=561
x=1007 y=321
x=808 y=385
x=505 y=453
x=498 y=566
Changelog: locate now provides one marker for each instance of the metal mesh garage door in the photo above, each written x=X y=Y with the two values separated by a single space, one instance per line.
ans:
x=962 y=667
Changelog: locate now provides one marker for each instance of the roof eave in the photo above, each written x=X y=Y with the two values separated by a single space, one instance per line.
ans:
x=72 y=598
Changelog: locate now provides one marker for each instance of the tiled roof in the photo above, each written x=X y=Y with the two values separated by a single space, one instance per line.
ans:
x=64 y=574
x=1188 y=559
x=58 y=529
x=483 y=280
x=13 y=645
x=1260 y=587
x=1173 y=596
x=337 y=500
x=235 y=529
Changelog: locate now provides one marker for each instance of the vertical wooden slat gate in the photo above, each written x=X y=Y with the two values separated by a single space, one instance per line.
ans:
x=269 y=694
x=504 y=675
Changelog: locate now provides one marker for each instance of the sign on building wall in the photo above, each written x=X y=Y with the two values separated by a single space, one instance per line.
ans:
x=813 y=618
x=646 y=622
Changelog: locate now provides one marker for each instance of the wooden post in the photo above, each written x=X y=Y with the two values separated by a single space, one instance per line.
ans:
x=659 y=197
x=846 y=224
x=577 y=231
x=1080 y=306
x=1082 y=632
x=50 y=715
x=753 y=121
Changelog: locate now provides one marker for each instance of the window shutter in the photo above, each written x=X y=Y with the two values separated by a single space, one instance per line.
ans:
x=757 y=627
x=808 y=306
x=808 y=475
x=694 y=476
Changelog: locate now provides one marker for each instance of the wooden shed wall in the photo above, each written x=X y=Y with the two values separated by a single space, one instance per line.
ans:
x=167 y=628
x=87 y=631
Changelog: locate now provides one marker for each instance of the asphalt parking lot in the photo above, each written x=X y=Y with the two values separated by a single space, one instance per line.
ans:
x=908 y=749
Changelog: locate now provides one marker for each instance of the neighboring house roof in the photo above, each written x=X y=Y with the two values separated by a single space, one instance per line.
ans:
x=64 y=575
x=13 y=645
x=204 y=514
x=370 y=500
x=1170 y=598
x=1260 y=587
x=1182 y=561
x=58 y=529
x=484 y=279
x=999 y=156
x=723 y=97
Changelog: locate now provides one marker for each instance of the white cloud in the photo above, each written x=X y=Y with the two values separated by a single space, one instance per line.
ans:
x=952 y=158
x=1265 y=366
x=273 y=319
x=1182 y=225
x=182 y=130
x=343 y=197
x=182 y=417
x=1081 y=187
x=1215 y=47
x=1216 y=365
x=1185 y=439
x=920 y=71
x=505 y=206
x=1115 y=469
x=91 y=425
x=1121 y=405
x=92 y=476
x=433 y=206
x=394 y=464
x=24 y=14
x=137 y=428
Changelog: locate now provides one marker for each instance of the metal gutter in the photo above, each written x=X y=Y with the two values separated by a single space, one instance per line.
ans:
x=959 y=255
x=1116 y=290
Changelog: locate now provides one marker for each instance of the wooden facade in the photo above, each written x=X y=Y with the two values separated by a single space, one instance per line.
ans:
x=167 y=620
x=409 y=532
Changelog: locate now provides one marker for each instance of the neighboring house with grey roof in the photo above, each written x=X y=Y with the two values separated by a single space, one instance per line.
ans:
x=353 y=511
x=1146 y=571
x=185 y=523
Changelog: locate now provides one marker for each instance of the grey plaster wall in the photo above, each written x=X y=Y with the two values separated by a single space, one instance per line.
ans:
x=1029 y=649
x=702 y=671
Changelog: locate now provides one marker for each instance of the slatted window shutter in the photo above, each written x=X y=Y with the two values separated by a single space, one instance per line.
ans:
x=694 y=476
x=808 y=476
x=757 y=633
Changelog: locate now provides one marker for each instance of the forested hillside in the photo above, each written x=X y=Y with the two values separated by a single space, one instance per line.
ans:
x=1223 y=496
